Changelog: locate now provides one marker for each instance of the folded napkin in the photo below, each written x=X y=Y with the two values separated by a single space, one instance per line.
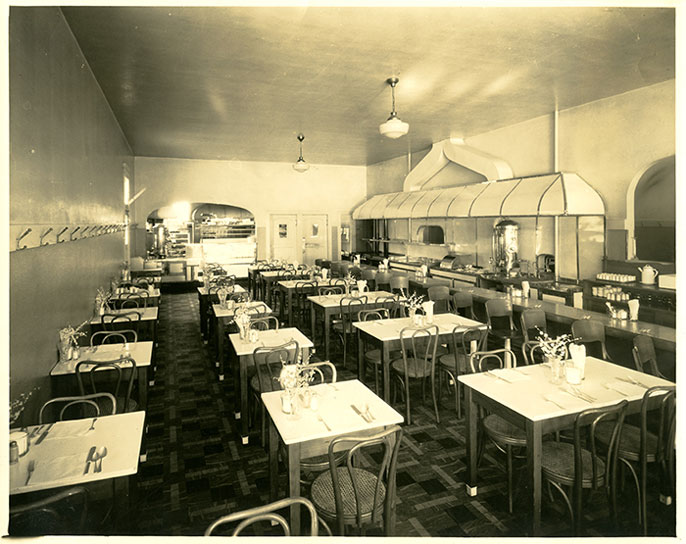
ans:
x=74 y=428
x=58 y=468
x=512 y=375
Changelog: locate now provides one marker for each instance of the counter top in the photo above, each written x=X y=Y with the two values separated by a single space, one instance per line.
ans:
x=664 y=337
x=635 y=286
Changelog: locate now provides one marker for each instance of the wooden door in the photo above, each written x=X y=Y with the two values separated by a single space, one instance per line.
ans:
x=284 y=238
x=315 y=237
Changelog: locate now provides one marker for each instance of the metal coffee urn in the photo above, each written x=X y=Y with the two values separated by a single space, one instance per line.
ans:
x=505 y=245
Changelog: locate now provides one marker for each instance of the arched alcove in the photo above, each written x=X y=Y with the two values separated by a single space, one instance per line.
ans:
x=651 y=212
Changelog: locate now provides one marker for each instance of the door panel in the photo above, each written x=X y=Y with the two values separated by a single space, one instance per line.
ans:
x=284 y=238
x=315 y=237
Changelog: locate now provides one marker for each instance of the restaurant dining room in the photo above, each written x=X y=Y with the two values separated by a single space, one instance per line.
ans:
x=322 y=270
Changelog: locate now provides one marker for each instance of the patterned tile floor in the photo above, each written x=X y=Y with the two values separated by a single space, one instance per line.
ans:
x=197 y=469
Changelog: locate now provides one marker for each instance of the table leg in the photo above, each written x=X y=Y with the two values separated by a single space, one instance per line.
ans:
x=360 y=357
x=143 y=387
x=236 y=382
x=289 y=297
x=243 y=363
x=533 y=457
x=508 y=359
x=122 y=494
x=294 y=485
x=472 y=447
x=203 y=315
x=220 y=346
x=326 y=335
x=273 y=461
x=313 y=320
x=386 y=362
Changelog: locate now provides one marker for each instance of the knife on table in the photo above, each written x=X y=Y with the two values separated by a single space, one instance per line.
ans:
x=89 y=459
x=45 y=433
x=357 y=411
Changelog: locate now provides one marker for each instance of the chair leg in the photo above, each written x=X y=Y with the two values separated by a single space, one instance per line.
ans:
x=508 y=450
x=433 y=395
x=407 y=400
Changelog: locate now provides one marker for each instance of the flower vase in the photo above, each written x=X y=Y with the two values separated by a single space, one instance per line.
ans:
x=65 y=349
x=101 y=310
x=288 y=402
x=557 y=369
x=242 y=331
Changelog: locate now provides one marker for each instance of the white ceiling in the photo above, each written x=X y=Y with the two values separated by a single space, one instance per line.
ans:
x=241 y=82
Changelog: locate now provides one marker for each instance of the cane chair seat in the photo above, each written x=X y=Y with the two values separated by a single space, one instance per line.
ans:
x=503 y=431
x=416 y=368
x=324 y=499
x=558 y=462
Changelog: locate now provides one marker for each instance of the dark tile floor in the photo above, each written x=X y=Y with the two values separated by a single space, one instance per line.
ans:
x=197 y=469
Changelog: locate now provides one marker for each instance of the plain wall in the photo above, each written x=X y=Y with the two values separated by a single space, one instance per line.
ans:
x=66 y=167
x=263 y=188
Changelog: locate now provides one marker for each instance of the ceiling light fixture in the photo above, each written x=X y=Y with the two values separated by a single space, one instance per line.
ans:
x=300 y=165
x=393 y=127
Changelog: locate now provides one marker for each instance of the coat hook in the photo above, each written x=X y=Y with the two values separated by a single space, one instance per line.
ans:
x=19 y=238
x=84 y=230
x=60 y=233
x=71 y=234
x=45 y=233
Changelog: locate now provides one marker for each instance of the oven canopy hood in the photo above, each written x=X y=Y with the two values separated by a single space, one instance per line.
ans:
x=560 y=193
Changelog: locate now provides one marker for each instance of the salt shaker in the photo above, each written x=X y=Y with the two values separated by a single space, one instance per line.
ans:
x=14 y=453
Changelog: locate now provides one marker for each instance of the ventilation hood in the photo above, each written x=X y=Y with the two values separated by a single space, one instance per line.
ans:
x=556 y=194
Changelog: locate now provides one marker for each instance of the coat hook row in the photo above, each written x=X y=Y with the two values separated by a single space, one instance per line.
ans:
x=39 y=235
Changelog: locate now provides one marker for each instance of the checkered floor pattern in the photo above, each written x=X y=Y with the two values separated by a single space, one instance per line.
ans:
x=197 y=469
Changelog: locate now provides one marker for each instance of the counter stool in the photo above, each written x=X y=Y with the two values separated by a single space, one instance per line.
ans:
x=501 y=325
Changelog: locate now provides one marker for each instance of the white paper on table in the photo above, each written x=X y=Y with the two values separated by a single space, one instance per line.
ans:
x=67 y=431
x=512 y=375
x=626 y=388
x=58 y=468
x=565 y=399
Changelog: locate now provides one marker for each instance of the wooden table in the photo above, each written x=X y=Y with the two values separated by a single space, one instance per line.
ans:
x=120 y=295
x=268 y=277
x=523 y=403
x=385 y=334
x=305 y=436
x=222 y=317
x=157 y=271
x=244 y=351
x=63 y=374
x=287 y=289
x=60 y=458
x=330 y=305
x=147 y=327
x=664 y=337
x=203 y=304
x=421 y=287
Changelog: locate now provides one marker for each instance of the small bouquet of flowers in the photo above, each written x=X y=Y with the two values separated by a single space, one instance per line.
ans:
x=69 y=340
x=17 y=405
x=241 y=317
x=412 y=303
x=102 y=298
x=554 y=348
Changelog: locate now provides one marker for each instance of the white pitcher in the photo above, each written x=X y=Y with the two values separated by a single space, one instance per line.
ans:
x=362 y=286
x=648 y=274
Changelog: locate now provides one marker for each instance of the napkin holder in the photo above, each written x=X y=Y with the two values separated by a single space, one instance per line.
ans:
x=525 y=289
x=634 y=305
x=428 y=308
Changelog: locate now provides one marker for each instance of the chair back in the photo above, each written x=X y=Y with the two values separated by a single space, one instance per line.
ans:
x=113 y=337
x=383 y=281
x=361 y=483
x=125 y=369
x=316 y=368
x=80 y=407
x=592 y=334
x=350 y=307
x=264 y=323
x=533 y=353
x=499 y=314
x=369 y=274
x=662 y=400
x=135 y=300
x=267 y=513
x=268 y=361
x=481 y=361
x=440 y=294
x=400 y=283
x=142 y=283
x=463 y=304
x=392 y=303
x=420 y=344
x=238 y=298
x=331 y=290
x=61 y=513
x=644 y=355
x=531 y=320
x=586 y=424
x=336 y=270
x=373 y=314
x=132 y=319
x=466 y=339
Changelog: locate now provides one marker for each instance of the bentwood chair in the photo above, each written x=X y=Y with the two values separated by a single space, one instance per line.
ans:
x=418 y=346
x=586 y=463
x=372 y=357
x=360 y=494
x=392 y=303
x=265 y=323
x=78 y=407
x=463 y=304
x=126 y=374
x=62 y=513
x=501 y=325
x=505 y=436
x=330 y=290
x=651 y=443
x=440 y=295
x=268 y=513
x=131 y=319
x=644 y=355
x=532 y=352
x=532 y=321
x=268 y=361
x=383 y=281
x=465 y=341
x=400 y=284
x=350 y=307
x=592 y=334
x=369 y=274
x=135 y=300
x=113 y=337
x=301 y=308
